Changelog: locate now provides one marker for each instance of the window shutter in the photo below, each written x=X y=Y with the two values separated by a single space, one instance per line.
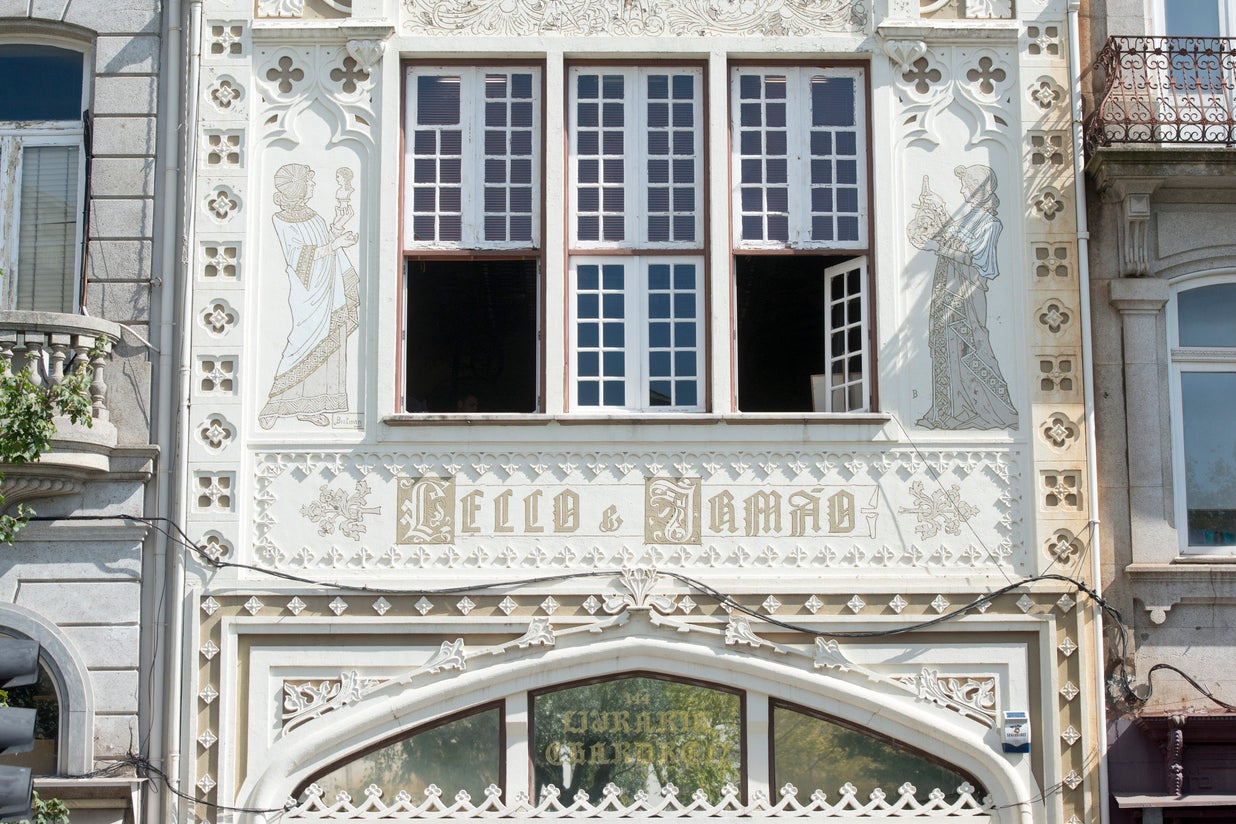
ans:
x=47 y=228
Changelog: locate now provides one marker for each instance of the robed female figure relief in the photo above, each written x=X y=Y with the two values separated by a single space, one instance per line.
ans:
x=968 y=391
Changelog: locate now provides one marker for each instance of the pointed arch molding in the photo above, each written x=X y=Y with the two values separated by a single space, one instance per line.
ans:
x=639 y=638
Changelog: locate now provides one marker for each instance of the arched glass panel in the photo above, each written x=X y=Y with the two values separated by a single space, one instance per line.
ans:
x=464 y=753
x=42 y=698
x=40 y=83
x=815 y=753
x=639 y=733
x=1204 y=315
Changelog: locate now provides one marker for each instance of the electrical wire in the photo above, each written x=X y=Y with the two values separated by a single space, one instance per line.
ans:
x=143 y=765
x=1121 y=678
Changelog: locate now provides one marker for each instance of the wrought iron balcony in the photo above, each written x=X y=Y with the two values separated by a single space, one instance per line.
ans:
x=1178 y=90
x=54 y=345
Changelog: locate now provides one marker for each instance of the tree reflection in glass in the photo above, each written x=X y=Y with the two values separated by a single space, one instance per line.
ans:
x=639 y=733
x=462 y=754
x=815 y=754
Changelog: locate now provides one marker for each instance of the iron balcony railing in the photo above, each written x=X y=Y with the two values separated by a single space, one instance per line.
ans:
x=1165 y=90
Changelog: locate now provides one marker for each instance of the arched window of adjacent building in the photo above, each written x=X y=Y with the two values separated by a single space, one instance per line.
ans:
x=812 y=751
x=1203 y=357
x=460 y=753
x=44 y=698
x=42 y=175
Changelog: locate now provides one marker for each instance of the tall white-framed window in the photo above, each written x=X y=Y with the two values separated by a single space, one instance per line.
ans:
x=1203 y=391
x=636 y=157
x=42 y=176
x=800 y=210
x=471 y=236
x=472 y=157
x=635 y=146
x=799 y=172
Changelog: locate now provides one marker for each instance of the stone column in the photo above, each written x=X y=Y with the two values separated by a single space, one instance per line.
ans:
x=1140 y=301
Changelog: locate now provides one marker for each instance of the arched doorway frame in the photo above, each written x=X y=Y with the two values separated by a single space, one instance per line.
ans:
x=847 y=695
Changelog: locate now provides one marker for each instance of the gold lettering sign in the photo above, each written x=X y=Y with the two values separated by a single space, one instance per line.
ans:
x=635 y=732
x=676 y=511
x=672 y=510
x=426 y=511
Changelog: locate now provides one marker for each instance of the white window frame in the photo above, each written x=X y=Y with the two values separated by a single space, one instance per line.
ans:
x=472 y=125
x=864 y=325
x=14 y=140
x=798 y=137
x=1191 y=359
x=635 y=151
x=636 y=343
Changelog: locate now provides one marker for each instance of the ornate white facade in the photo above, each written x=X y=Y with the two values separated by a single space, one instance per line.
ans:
x=367 y=569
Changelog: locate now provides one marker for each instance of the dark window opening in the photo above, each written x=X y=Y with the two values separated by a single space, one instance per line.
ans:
x=472 y=336
x=799 y=317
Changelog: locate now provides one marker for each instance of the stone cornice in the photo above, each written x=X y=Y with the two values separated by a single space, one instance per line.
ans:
x=1191 y=165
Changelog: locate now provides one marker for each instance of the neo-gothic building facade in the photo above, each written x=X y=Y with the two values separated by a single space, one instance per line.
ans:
x=665 y=409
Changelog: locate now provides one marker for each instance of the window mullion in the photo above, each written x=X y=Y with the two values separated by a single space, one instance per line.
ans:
x=637 y=336
x=798 y=132
x=572 y=155
x=636 y=146
x=472 y=125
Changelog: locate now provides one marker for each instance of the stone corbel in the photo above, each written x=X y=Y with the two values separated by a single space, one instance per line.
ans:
x=1133 y=225
x=904 y=52
x=366 y=52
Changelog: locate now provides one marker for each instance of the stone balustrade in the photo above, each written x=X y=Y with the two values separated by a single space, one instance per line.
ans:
x=55 y=345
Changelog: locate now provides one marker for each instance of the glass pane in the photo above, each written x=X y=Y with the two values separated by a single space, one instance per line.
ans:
x=834 y=183
x=600 y=157
x=47 y=229
x=1192 y=18
x=672 y=351
x=40 y=83
x=600 y=294
x=437 y=101
x=40 y=697
x=832 y=101
x=639 y=733
x=508 y=134
x=1210 y=456
x=671 y=139
x=463 y=754
x=1204 y=316
x=814 y=754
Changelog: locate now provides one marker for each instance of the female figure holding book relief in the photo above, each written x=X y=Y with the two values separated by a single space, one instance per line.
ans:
x=968 y=391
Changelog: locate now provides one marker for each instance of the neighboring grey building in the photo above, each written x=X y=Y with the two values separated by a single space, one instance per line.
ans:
x=80 y=188
x=1162 y=177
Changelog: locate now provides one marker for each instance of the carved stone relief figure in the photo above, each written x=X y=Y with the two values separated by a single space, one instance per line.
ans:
x=323 y=297
x=968 y=390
